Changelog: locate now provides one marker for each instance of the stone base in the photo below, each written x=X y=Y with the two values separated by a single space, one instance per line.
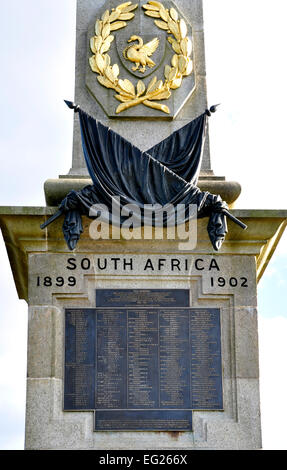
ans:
x=49 y=427
x=41 y=265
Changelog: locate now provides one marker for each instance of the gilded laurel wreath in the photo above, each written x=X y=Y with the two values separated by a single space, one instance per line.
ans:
x=157 y=90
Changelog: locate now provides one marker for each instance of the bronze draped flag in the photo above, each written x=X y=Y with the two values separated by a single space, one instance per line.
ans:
x=166 y=174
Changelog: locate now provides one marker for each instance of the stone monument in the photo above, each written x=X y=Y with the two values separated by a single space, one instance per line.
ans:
x=145 y=338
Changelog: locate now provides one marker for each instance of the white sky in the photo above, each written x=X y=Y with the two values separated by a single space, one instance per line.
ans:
x=246 y=73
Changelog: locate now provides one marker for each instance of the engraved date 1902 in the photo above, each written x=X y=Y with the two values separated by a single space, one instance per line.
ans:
x=228 y=282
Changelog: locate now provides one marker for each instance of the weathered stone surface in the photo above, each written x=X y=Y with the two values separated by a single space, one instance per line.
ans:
x=57 y=189
x=144 y=27
x=228 y=190
x=48 y=427
x=246 y=347
x=148 y=134
x=22 y=234
x=51 y=278
x=241 y=433
x=244 y=252
x=238 y=426
x=236 y=277
x=44 y=403
x=44 y=347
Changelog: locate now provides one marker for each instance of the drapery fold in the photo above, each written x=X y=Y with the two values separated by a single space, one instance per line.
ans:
x=164 y=175
x=182 y=151
x=118 y=168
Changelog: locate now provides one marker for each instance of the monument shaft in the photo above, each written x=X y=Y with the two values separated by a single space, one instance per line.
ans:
x=143 y=337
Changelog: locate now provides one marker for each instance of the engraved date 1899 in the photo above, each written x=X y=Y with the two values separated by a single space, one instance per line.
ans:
x=48 y=281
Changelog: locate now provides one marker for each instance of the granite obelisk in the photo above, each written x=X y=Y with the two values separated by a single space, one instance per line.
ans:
x=155 y=343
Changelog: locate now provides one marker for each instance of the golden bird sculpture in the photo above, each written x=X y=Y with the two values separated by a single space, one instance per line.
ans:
x=140 y=53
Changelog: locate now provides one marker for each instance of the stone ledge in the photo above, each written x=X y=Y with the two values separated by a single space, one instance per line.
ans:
x=22 y=235
x=57 y=189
